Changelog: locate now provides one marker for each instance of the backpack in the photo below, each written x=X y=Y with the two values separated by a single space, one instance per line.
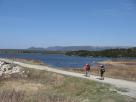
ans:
x=103 y=69
x=88 y=67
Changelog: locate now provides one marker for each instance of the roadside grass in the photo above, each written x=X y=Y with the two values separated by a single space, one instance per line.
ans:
x=119 y=72
x=121 y=69
x=41 y=86
x=122 y=89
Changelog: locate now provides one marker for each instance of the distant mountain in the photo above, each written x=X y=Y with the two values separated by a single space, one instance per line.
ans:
x=77 y=48
x=36 y=48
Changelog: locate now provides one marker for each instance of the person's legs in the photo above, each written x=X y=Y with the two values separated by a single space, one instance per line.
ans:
x=102 y=75
x=86 y=73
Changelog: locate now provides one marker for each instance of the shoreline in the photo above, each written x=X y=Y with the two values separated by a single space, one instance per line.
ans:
x=118 y=69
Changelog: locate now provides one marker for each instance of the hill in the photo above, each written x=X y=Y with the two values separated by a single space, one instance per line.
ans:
x=36 y=48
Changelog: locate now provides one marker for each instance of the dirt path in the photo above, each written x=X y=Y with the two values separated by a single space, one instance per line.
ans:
x=126 y=87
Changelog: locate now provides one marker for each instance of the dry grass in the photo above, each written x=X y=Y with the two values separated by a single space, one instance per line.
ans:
x=121 y=69
x=35 y=86
x=11 y=96
x=41 y=86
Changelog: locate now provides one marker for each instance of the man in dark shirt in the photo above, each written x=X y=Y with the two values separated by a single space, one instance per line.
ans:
x=102 y=71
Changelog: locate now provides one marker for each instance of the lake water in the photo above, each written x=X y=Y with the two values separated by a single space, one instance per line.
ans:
x=58 y=60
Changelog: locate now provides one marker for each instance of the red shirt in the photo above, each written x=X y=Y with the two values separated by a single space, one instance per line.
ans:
x=87 y=67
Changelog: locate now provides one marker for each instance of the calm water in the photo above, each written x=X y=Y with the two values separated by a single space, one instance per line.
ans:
x=57 y=61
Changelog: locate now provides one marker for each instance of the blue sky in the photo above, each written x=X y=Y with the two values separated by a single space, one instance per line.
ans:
x=43 y=23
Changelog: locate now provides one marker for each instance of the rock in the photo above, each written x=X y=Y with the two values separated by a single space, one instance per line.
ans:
x=1 y=64
x=8 y=68
x=16 y=69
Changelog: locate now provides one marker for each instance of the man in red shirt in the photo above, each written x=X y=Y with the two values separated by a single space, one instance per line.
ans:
x=87 y=70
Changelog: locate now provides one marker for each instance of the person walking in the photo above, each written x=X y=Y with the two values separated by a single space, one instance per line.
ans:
x=102 y=71
x=87 y=70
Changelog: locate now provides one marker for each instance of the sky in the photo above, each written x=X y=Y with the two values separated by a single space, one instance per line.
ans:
x=44 y=23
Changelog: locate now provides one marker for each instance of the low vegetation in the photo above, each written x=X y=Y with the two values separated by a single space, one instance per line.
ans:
x=28 y=61
x=121 y=69
x=31 y=85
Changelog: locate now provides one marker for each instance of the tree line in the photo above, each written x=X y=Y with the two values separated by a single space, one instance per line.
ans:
x=26 y=51
x=130 y=52
x=17 y=51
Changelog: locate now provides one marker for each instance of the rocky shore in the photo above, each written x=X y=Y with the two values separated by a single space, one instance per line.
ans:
x=8 y=68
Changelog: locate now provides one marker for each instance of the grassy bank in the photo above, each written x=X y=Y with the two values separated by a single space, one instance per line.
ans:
x=41 y=86
x=28 y=61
